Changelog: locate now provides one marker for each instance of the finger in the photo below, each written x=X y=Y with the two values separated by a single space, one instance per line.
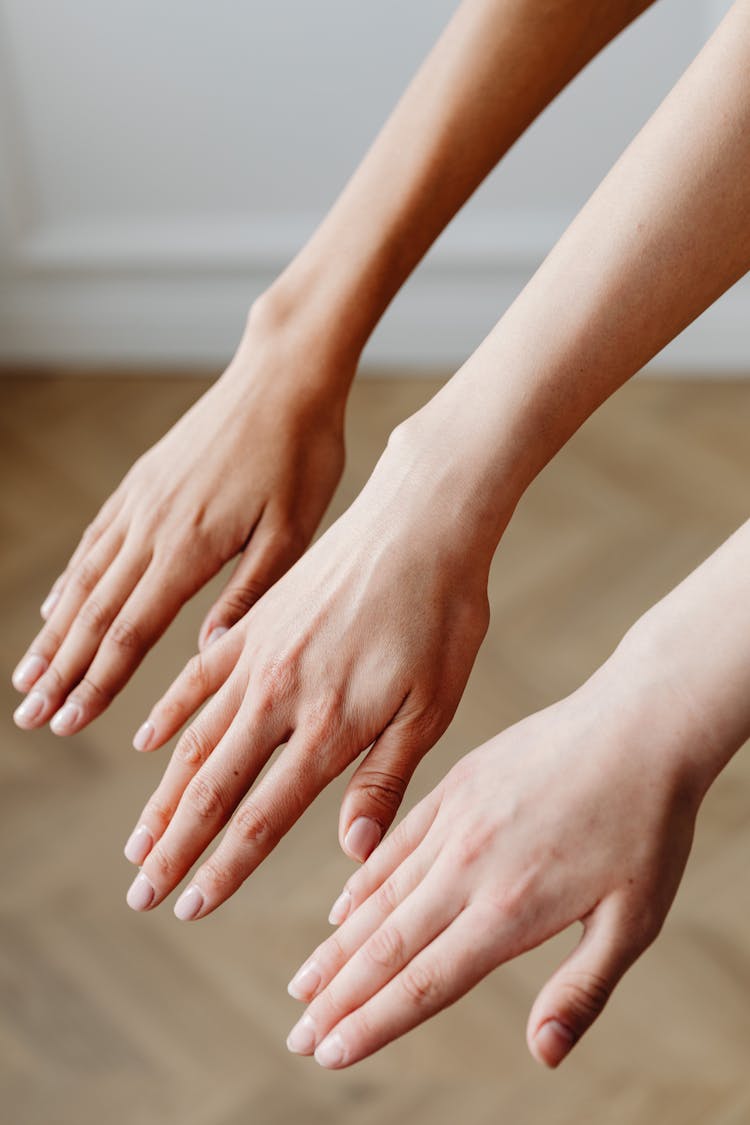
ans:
x=576 y=994
x=377 y=787
x=86 y=633
x=137 y=625
x=204 y=809
x=203 y=674
x=91 y=534
x=416 y=921
x=265 y=815
x=45 y=645
x=331 y=955
x=192 y=751
x=270 y=552
x=387 y=856
x=437 y=976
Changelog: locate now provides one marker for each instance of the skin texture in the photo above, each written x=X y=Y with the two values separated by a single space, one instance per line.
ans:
x=252 y=467
x=270 y=454
x=583 y=812
x=394 y=596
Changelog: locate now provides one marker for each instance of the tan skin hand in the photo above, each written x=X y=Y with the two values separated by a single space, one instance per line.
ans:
x=528 y=834
x=248 y=470
x=369 y=638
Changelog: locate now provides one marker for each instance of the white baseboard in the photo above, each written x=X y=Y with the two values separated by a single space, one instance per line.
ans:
x=177 y=296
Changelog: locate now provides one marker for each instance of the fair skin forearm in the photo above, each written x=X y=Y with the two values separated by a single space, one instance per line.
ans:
x=273 y=424
x=583 y=812
x=369 y=640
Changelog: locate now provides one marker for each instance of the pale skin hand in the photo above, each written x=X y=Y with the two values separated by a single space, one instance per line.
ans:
x=369 y=638
x=249 y=469
x=253 y=465
x=611 y=293
x=583 y=812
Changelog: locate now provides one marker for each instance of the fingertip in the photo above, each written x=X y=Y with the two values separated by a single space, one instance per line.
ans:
x=144 y=736
x=362 y=838
x=552 y=1042
x=214 y=635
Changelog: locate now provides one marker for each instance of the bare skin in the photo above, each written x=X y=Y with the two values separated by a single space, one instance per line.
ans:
x=582 y=813
x=253 y=465
x=372 y=634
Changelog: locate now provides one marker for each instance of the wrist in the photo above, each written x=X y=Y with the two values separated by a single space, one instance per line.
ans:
x=671 y=699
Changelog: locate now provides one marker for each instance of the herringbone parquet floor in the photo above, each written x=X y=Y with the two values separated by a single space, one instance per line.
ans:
x=107 y=1016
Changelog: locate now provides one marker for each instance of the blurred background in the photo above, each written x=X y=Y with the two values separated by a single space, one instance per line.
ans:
x=159 y=165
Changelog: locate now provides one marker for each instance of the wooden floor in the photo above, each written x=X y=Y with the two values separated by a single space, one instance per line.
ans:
x=111 y=1017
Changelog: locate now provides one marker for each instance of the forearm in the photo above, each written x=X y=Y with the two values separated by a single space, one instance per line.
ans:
x=495 y=67
x=666 y=232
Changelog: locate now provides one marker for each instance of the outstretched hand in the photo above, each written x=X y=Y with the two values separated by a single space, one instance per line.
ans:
x=249 y=469
x=366 y=642
x=535 y=830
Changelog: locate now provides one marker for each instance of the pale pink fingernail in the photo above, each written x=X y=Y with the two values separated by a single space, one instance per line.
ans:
x=31 y=708
x=331 y=1050
x=305 y=982
x=554 y=1040
x=362 y=838
x=340 y=908
x=66 y=718
x=143 y=736
x=29 y=671
x=216 y=632
x=189 y=904
x=301 y=1039
x=140 y=842
x=141 y=893
x=49 y=603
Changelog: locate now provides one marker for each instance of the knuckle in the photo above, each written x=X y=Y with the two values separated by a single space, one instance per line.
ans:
x=193 y=747
x=382 y=790
x=126 y=634
x=251 y=824
x=387 y=897
x=159 y=811
x=237 y=600
x=93 y=692
x=94 y=616
x=223 y=876
x=86 y=577
x=586 y=994
x=386 y=947
x=205 y=799
x=421 y=985
x=196 y=674
x=162 y=864
x=277 y=680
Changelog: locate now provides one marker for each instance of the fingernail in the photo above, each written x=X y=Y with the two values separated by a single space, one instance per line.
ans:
x=305 y=983
x=215 y=633
x=362 y=838
x=31 y=708
x=141 y=893
x=301 y=1039
x=189 y=904
x=29 y=671
x=66 y=719
x=49 y=603
x=143 y=736
x=554 y=1040
x=331 y=1050
x=340 y=908
x=140 y=842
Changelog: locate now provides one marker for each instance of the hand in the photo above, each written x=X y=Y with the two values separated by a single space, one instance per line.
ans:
x=250 y=468
x=583 y=812
x=367 y=641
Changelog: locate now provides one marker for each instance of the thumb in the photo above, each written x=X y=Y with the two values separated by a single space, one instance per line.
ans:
x=267 y=556
x=576 y=994
x=377 y=787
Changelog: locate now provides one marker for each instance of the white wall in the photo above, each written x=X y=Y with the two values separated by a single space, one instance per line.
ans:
x=161 y=161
